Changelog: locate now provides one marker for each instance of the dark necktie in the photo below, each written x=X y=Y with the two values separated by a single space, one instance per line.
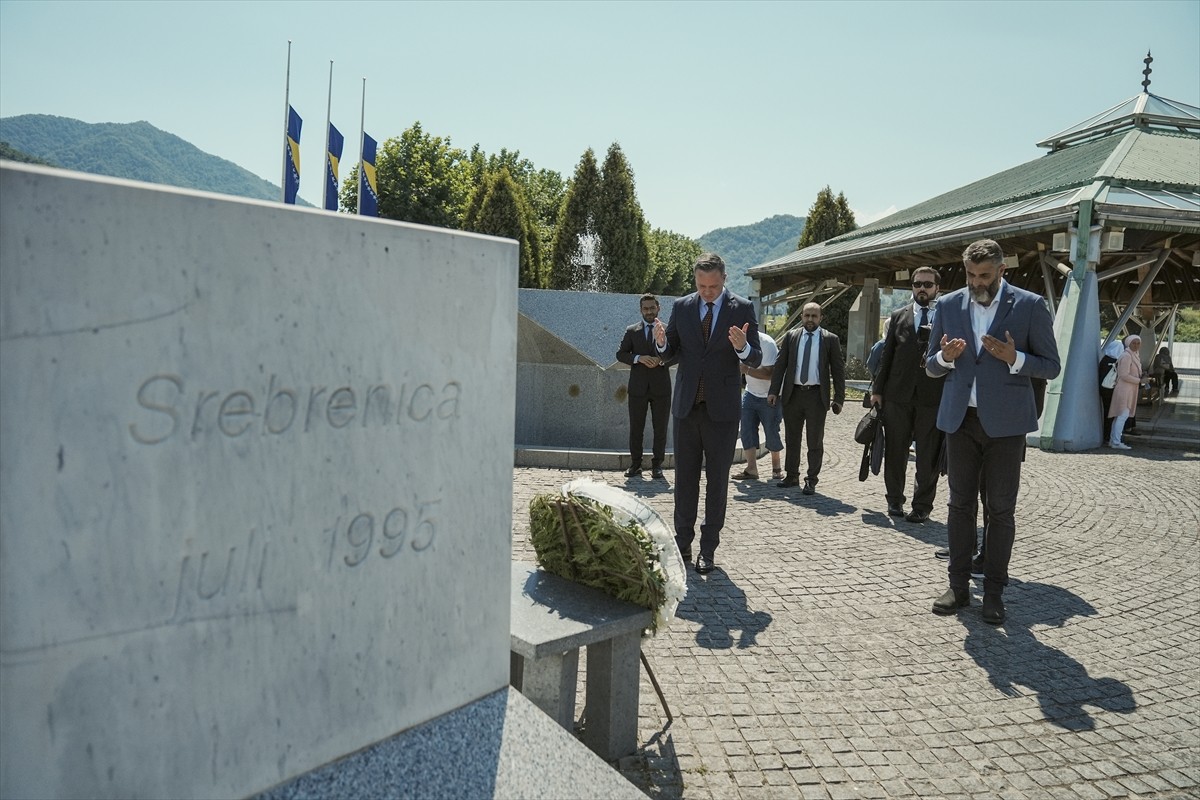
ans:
x=705 y=330
x=806 y=371
x=924 y=317
x=647 y=331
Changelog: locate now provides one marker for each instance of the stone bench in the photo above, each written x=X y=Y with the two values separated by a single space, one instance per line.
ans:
x=551 y=619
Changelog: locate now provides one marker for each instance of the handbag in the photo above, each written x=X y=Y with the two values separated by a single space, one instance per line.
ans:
x=864 y=432
x=1110 y=380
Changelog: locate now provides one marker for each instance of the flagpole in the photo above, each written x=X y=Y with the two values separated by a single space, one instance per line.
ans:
x=328 y=108
x=362 y=141
x=287 y=87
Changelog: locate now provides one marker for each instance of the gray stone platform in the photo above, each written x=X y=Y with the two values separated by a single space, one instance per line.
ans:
x=499 y=747
x=809 y=665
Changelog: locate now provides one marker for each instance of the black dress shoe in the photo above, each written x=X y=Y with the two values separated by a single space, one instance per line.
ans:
x=809 y=487
x=942 y=553
x=658 y=473
x=895 y=511
x=704 y=564
x=635 y=470
x=787 y=483
x=920 y=517
x=993 y=609
x=952 y=601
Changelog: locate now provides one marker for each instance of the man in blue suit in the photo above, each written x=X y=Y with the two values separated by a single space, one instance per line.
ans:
x=711 y=333
x=989 y=340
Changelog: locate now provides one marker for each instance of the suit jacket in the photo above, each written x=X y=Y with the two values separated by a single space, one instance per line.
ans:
x=1006 y=404
x=717 y=361
x=901 y=378
x=643 y=380
x=831 y=370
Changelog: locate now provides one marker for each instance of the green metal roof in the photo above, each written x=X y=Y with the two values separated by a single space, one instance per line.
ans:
x=1144 y=158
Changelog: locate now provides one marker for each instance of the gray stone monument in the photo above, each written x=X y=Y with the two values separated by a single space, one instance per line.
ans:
x=237 y=444
x=571 y=390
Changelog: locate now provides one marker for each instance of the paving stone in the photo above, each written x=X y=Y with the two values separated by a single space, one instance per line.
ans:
x=811 y=653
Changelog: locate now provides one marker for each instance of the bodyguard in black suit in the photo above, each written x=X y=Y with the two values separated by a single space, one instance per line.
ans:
x=711 y=333
x=649 y=386
x=808 y=390
x=909 y=399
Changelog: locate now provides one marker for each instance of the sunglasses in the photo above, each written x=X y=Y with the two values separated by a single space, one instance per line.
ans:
x=923 y=284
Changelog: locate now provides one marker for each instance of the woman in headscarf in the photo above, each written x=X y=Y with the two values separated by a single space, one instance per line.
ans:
x=1112 y=351
x=1125 y=393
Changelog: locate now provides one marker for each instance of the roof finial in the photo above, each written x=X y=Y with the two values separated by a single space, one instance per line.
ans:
x=1146 y=81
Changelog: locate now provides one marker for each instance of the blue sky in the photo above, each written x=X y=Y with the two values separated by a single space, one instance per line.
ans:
x=727 y=112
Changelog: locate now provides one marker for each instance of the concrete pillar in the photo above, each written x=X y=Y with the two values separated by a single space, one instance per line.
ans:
x=1070 y=420
x=863 y=326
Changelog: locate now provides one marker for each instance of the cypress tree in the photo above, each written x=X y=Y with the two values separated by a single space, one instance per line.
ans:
x=829 y=217
x=505 y=212
x=624 y=257
x=574 y=256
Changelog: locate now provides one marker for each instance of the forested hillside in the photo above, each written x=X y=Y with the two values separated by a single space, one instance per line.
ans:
x=13 y=154
x=746 y=246
x=135 y=150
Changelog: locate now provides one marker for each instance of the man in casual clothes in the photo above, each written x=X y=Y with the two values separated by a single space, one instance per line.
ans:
x=756 y=409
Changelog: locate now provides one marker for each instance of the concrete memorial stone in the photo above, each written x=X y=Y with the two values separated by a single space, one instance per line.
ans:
x=236 y=440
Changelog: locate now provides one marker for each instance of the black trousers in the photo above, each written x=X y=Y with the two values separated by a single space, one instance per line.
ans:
x=969 y=450
x=699 y=440
x=904 y=423
x=660 y=410
x=804 y=410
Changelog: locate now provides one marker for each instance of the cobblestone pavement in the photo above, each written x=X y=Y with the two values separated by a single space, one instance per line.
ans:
x=809 y=665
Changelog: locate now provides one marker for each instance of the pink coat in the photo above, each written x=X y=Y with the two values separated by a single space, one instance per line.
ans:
x=1129 y=382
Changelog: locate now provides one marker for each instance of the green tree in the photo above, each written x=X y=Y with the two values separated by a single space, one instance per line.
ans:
x=421 y=178
x=623 y=256
x=574 y=254
x=543 y=190
x=503 y=211
x=671 y=258
x=829 y=217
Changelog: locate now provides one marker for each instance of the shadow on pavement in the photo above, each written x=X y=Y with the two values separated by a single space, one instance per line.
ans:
x=1013 y=657
x=646 y=486
x=655 y=768
x=720 y=607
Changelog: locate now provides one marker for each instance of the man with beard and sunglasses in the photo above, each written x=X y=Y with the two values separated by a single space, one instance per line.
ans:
x=989 y=340
x=908 y=400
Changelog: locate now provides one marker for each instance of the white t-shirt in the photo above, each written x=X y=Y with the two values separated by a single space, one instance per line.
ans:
x=761 y=387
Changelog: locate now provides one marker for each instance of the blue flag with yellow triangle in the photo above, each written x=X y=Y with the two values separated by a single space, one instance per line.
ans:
x=368 y=189
x=292 y=154
x=331 y=168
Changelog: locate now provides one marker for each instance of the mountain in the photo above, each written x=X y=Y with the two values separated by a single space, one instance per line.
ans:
x=135 y=150
x=747 y=246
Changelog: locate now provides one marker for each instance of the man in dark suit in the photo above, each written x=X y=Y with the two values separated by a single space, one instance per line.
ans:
x=810 y=380
x=908 y=400
x=711 y=333
x=989 y=340
x=649 y=386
